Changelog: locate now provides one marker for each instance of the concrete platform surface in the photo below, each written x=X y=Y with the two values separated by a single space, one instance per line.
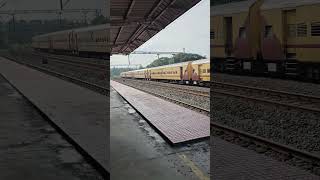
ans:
x=232 y=162
x=138 y=152
x=30 y=149
x=176 y=123
x=77 y=111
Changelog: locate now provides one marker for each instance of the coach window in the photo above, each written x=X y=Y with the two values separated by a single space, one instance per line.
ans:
x=268 y=32
x=212 y=35
x=242 y=32
x=315 y=29
x=302 y=30
x=292 y=30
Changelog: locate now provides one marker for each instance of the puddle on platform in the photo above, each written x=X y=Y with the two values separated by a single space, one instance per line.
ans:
x=15 y=94
x=153 y=134
x=126 y=105
x=141 y=122
x=69 y=156
x=131 y=111
x=56 y=140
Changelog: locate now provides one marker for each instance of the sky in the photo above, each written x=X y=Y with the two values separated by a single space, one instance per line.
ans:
x=190 y=31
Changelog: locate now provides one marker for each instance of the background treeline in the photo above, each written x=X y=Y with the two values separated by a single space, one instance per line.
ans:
x=21 y=32
x=181 y=57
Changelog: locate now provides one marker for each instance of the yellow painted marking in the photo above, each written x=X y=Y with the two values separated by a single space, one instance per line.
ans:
x=193 y=167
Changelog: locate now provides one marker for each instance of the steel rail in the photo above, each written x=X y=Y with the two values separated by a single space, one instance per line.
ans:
x=268 y=92
x=190 y=106
x=277 y=147
x=90 y=65
x=185 y=90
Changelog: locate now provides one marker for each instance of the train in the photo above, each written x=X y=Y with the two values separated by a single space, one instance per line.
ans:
x=191 y=72
x=86 y=42
x=274 y=37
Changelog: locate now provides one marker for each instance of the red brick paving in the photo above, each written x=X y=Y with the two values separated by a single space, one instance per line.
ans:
x=176 y=123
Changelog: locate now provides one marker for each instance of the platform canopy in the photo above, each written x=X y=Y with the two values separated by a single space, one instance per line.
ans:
x=133 y=22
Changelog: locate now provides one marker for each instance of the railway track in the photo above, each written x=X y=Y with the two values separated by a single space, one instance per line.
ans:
x=81 y=64
x=184 y=104
x=296 y=157
x=281 y=98
x=91 y=86
x=173 y=86
x=274 y=97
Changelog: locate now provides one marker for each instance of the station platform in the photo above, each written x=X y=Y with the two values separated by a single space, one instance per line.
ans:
x=30 y=148
x=78 y=112
x=177 y=124
x=138 y=152
x=232 y=162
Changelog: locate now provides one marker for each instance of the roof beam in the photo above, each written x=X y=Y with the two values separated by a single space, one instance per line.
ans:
x=130 y=9
x=120 y=23
x=137 y=33
x=147 y=16
x=125 y=18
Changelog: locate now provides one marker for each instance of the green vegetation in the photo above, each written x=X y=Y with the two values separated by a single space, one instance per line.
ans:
x=22 y=31
x=181 y=57
x=115 y=72
x=99 y=20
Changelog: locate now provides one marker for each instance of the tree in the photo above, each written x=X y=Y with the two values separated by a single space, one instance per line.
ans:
x=99 y=20
x=181 y=57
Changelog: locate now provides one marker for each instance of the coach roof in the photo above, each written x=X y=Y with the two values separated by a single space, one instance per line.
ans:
x=243 y=6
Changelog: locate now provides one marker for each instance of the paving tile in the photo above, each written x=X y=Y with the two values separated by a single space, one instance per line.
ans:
x=176 y=123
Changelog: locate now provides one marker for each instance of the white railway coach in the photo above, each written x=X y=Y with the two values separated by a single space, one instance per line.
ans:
x=88 y=41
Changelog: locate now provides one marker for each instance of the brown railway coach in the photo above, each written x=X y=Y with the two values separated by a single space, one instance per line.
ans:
x=267 y=36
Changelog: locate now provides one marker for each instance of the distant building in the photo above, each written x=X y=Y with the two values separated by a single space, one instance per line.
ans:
x=217 y=2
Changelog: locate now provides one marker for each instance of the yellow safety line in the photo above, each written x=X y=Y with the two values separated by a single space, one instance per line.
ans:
x=193 y=167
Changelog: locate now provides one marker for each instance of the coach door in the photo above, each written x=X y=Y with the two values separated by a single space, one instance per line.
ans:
x=181 y=73
x=290 y=33
x=228 y=38
x=50 y=40
x=70 y=40
x=76 y=43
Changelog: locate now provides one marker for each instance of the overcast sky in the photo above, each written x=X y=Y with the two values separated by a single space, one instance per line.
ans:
x=190 y=31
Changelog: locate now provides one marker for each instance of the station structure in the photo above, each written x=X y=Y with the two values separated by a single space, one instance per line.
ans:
x=52 y=120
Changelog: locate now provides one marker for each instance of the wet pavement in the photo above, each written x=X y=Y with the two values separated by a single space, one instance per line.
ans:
x=79 y=113
x=139 y=152
x=30 y=148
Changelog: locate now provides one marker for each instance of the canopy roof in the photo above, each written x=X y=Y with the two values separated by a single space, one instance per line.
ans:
x=133 y=22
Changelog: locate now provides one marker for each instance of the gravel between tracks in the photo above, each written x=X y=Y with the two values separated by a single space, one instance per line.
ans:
x=88 y=75
x=200 y=101
x=270 y=83
x=292 y=127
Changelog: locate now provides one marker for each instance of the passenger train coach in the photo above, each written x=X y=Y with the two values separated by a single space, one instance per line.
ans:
x=87 y=42
x=193 y=72
x=267 y=36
